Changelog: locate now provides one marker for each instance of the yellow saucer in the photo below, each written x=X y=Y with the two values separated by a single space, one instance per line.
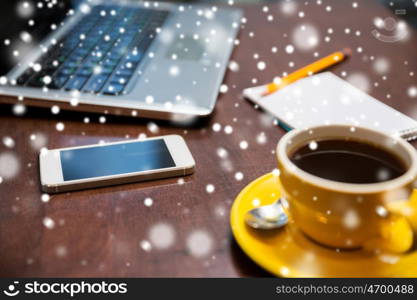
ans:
x=287 y=252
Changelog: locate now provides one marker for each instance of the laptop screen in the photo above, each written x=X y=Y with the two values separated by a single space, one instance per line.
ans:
x=24 y=23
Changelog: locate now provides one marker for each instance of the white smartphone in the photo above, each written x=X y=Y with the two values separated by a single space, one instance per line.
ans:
x=91 y=166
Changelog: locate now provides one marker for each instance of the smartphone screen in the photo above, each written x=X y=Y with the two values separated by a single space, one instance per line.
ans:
x=115 y=159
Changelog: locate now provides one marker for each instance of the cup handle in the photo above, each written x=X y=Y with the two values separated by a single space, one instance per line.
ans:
x=397 y=230
x=406 y=208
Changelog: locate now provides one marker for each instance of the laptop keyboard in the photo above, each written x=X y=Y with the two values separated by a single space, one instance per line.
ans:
x=101 y=52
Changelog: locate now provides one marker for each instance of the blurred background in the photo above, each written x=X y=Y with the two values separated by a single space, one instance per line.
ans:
x=408 y=5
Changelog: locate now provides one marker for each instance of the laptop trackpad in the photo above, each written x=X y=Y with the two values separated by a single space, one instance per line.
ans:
x=186 y=48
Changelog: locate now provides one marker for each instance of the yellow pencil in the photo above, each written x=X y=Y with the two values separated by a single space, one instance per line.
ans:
x=308 y=70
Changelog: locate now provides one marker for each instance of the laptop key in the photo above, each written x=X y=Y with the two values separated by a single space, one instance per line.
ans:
x=81 y=52
x=76 y=83
x=104 y=70
x=67 y=71
x=95 y=84
x=124 y=72
x=120 y=79
x=135 y=57
x=85 y=71
x=59 y=81
x=110 y=63
x=113 y=89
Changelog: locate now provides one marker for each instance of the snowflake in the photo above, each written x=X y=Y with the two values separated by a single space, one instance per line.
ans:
x=45 y=198
x=148 y=202
x=239 y=176
x=146 y=246
x=351 y=219
x=313 y=145
x=289 y=49
x=216 y=127
x=412 y=91
x=60 y=126
x=48 y=222
x=261 y=65
x=199 y=243
x=162 y=235
x=210 y=188
x=55 y=109
x=228 y=129
x=243 y=145
x=9 y=165
x=8 y=142
x=223 y=88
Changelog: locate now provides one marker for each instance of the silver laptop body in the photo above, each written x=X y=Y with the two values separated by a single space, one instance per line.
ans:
x=178 y=78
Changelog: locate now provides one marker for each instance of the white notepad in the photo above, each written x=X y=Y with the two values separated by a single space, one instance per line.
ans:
x=327 y=99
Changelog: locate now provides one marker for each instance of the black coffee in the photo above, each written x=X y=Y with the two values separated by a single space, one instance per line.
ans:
x=348 y=161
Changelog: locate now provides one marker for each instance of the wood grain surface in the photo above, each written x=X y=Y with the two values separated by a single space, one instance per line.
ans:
x=110 y=232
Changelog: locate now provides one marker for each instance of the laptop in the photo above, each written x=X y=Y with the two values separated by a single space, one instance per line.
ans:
x=145 y=59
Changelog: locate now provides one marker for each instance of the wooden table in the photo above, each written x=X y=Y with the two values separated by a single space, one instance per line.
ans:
x=185 y=232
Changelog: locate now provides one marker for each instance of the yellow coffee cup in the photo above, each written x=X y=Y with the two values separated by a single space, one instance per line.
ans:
x=378 y=216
